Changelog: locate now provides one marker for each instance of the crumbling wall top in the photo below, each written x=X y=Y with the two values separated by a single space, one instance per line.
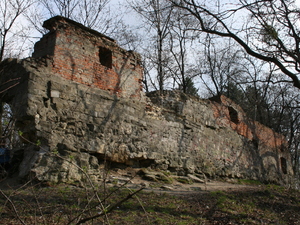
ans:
x=59 y=21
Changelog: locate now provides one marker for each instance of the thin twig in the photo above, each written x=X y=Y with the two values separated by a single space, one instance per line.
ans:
x=103 y=202
x=141 y=205
x=110 y=208
x=38 y=205
x=13 y=206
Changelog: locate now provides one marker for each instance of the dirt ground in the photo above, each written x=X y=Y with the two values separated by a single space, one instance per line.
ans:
x=123 y=177
x=210 y=202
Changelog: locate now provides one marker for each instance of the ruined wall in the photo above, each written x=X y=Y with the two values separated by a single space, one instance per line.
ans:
x=79 y=121
x=88 y=57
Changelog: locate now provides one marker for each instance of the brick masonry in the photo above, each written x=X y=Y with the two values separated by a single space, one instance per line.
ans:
x=88 y=57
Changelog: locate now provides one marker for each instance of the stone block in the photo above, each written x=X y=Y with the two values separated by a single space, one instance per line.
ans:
x=55 y=94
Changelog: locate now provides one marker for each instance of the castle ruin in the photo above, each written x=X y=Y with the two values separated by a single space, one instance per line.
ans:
x=79 y=98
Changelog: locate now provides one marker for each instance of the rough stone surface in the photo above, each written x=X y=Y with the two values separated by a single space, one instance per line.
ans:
x=80 y=123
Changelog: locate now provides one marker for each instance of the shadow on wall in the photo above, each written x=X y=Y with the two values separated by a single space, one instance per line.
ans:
x=268 y=146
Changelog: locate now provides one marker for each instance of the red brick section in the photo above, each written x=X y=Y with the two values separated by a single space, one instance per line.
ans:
x=76 y=52
x=250 y=129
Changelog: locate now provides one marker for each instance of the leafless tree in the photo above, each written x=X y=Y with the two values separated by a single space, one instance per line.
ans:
x=219 y=63
x=10 y=11
x=156 y=15
x=180 y=41
x=90 y=13
x=270 y=31
x=66 y=8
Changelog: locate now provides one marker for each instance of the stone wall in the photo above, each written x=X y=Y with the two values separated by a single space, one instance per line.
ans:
x=71 y=124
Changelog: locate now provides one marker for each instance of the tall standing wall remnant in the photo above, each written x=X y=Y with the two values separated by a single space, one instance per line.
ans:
x=80 y=98
x=88 y=57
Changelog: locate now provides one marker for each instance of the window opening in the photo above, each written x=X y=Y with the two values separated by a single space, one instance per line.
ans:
x=9 y=140
x=233 y=115
x=9 y=132
x=255 y=143
x=283 y=165
x=105 y=56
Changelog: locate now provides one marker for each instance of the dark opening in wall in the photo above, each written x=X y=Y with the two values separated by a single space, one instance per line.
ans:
x=11 y=152
x=9 y=134
x=283 y=165
x=255 y=143
x=105 y=56
x=283 y=148
x=233 y=115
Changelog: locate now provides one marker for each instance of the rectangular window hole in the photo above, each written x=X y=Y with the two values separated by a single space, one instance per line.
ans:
x=283 y=165
x=105 y=56
x=233 y=115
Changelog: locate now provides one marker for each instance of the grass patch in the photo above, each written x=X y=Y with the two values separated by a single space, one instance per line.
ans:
x=61 y=204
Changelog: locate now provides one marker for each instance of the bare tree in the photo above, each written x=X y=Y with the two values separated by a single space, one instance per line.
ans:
x=269 y=33
x=90 y=13
x=219 y=65
x=180 y=40
x=156 y=15
x=10 y=11
x=66 y=8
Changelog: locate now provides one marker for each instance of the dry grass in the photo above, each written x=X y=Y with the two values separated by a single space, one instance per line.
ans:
x=33 y=204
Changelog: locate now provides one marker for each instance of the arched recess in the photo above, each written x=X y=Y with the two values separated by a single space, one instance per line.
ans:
x=9 y=140
x=9 y=132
